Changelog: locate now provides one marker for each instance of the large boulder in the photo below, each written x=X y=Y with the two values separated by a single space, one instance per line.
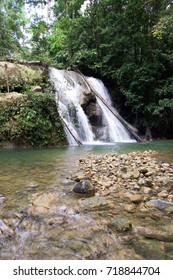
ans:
x=86 y=98
x=94 y=114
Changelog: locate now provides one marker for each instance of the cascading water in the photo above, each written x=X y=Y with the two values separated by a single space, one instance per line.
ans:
x=68 y=91
x=111 y=130
x=70 y=88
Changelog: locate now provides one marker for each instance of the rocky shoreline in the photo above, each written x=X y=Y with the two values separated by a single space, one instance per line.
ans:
x=122 y=209
x=135 y=185
x=136 y=177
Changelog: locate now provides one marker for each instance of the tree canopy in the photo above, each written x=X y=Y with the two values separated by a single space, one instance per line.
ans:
x=128 y=43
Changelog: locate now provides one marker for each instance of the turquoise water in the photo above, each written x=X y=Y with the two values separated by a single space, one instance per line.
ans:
x=27 y=170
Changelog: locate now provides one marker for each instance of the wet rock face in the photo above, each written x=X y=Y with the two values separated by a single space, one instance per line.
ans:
x=94 y=114
x=87 y=98
x=91 y=109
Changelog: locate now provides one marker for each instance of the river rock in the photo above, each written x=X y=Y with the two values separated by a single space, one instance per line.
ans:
x=149 y=249
x=44 y=200
x=94 y=203
x=120 y=224
x=150 y=172
x=136 y=198
x=161 y=205
x=147 y=190
x=135 y=174
x=79 y=176
x=163 y=194
x=42 y=204
x=168 y=246
x=131 y=208
x=5 y=230
x=158 y=234
x=142 y=182
x=84 y=187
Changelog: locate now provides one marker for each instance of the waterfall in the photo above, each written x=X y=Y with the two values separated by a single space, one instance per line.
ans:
x=72 y=97
x=111 y=130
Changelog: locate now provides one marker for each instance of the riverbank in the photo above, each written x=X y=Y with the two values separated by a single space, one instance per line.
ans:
x=141 y=173
x=127 y=215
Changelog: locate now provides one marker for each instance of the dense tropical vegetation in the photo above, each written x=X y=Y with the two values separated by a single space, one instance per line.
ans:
x=127 y=43
x=31 y=121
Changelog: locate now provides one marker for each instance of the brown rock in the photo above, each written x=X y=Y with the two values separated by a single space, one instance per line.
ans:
x=136 y=198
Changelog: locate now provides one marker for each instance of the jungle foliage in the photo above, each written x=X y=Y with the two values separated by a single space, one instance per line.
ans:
x=127 y=43
x=32 y=120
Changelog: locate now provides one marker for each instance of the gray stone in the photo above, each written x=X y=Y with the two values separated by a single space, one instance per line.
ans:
x=94 y=203
x=142 y=182
x=5 y=230
x=84 y=187
x=120 y=224
x=161 y=205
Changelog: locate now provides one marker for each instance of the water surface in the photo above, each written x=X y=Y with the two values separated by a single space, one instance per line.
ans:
x=25 y=171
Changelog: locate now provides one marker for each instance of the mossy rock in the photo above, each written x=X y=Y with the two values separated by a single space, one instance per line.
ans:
x=120 y=224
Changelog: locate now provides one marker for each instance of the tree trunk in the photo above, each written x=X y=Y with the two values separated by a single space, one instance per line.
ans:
x=127 y=126
x=75 y=138
x=148 y=135
x=7 y=80
x=24 y=62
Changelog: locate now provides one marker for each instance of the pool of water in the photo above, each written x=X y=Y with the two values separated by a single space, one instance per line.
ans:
x=25 y=171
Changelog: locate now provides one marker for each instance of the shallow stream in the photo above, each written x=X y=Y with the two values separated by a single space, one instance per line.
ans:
x=67 y=233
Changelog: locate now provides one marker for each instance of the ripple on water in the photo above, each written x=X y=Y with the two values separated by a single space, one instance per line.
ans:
x=70 y=232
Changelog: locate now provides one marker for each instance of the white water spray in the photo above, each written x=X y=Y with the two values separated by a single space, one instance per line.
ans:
x=112 y=130
x=69 y=87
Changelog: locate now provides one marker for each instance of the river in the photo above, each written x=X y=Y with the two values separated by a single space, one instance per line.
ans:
x=25 y=171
